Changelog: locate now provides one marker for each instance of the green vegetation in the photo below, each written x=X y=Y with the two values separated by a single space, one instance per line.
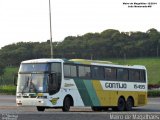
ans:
x=107 y=44
x=6 y=81
x=154 y=93
x=8 y=90
x=152 y=65
x=8 y=76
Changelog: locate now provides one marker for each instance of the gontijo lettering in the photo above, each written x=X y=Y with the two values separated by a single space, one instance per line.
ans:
x=115 y=85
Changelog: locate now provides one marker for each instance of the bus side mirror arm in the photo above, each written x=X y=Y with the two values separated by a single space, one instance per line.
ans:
x=15 y=79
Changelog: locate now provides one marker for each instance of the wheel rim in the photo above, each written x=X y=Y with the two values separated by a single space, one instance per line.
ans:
x=121 y=104
x=129 y=104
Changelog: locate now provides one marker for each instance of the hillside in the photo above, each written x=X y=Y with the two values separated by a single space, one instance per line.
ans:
x=107 y=44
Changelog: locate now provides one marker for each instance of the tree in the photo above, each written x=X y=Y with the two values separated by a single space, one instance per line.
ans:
x=155 y=37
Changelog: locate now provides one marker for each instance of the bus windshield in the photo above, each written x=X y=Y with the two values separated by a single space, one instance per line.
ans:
x=32 y=83
x=39 y=77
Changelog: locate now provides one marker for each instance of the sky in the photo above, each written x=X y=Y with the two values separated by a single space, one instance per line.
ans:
x=28 y=20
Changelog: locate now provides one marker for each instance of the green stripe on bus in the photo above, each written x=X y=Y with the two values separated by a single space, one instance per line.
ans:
x=83 y=92
x=92 y=93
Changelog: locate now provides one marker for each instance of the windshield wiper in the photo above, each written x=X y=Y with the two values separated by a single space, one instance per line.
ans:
x=25 y=86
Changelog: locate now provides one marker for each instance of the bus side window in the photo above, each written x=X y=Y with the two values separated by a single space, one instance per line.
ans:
x=134 y=75
x=87 y=72
x=137 y=75
x=52 y=79
x=122 y=74
x=55 y=78
x=67 y=71
x=131 y=75
x=56 y=68
x=84 y=71
x=97 y=72
x=70 y=71
x=110 y=73
x=142 y=76
x=73 y=71
x=53 y=83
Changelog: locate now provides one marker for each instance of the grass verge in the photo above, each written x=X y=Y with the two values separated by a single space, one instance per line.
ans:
x=8 y=90
x=153 y=93
x=152 y=65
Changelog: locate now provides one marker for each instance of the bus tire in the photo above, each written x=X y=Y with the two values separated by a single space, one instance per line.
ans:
x=114 y=108
x=121 y=104
x=129 y=104
x=40 y=109
x=66 y=104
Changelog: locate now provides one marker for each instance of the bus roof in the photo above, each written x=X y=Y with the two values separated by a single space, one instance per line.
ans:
x=83 y=61
x=105 y=63
x=90 y=61
x=43 y=60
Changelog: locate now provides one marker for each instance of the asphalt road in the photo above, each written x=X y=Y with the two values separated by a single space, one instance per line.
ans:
x=9 y=111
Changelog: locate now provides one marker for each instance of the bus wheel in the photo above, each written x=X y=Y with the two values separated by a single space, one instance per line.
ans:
x=40 y=108
x=66 y=104
x=129 y=104
x=121 y=104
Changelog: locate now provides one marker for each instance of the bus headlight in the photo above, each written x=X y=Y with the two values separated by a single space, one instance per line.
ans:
x=42 y=97
x=41 y=102
x=18 y=96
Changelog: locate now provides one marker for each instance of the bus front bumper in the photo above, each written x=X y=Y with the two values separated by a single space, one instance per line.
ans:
x=33 y=102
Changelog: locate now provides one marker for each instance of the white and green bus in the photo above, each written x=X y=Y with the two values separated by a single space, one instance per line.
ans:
x=61 y=83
